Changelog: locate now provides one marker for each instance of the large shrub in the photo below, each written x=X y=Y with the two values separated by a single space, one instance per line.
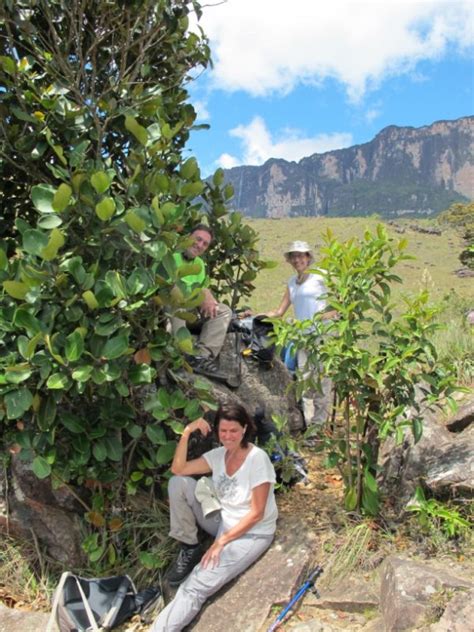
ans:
x=98 y=196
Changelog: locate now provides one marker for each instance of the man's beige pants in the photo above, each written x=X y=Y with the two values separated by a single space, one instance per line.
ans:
x=213 y=332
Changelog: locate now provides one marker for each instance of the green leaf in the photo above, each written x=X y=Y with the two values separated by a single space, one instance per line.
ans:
x=56 y=241
x=150 y=561
x=74 y=347
x=18 y=373
x=42 y=196
x=218 y=177
x=47 y=222
x=189 y=169
x=3 y=260
x=90 y=299
x=96 y=554
x=18 y=402
x=82 y=373
x=134 y=430
x=57 y=381
x=350 y=499
x=142 y=374
x=156 y=434
x=116 y=283
x=188 y=269
x=116 y=346
x=185 y=340
x=114 y=448
x=62 y=197
x=136 y=129
x=8 y=64
x=135 y=222
x=46 y=413
x=34 y=241
x=24 y=319
x=370 y=481
x=99 y=450
x=164 y=454
x=105 y=209
x=192 y=189
x=417 y=429
x=370 y=501
x=16 y=289
x=100 y=181
x=41 y=467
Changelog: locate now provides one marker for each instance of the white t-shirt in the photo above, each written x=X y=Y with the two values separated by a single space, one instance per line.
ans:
x=306 y=297
x=234 y=492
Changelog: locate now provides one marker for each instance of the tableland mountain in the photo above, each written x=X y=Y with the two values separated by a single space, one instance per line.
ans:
x=402 y=171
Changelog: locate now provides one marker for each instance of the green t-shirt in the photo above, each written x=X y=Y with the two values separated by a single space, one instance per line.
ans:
x=192 y=281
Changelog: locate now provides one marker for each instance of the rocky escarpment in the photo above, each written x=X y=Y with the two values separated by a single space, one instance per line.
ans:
x=419 y=171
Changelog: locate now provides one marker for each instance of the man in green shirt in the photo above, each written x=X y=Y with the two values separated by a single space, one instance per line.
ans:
x=215 y=316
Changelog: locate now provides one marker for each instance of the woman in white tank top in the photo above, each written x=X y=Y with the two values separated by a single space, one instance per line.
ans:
x=306 y=292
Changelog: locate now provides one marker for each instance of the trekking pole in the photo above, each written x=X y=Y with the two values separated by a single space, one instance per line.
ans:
x=308 y=585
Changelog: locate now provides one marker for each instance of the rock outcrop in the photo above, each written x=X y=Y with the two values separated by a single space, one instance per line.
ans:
x=403 y=170
x=442 y=460
x=409 y=589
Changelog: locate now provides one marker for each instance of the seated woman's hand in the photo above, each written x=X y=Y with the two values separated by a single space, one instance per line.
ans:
x=199 y=424
x=212 y=556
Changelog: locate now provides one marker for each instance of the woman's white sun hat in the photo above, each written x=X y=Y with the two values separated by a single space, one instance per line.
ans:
x=299 y=246
x=206 y=494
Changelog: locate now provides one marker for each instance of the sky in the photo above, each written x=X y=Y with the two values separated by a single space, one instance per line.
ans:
x=296 y=77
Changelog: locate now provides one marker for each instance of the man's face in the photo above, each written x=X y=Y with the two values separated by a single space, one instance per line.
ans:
x=202 y=240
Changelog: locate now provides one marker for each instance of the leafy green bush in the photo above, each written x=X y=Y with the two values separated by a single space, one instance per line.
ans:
x=385 y=369
x=98 y=197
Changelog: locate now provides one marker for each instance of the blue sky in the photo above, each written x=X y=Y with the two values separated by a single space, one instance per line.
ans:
x=296 y=77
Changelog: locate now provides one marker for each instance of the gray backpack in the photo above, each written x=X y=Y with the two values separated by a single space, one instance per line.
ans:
x=96 y=604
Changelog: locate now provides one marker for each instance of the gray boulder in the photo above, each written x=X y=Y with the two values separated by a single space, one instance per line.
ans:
x=35 y=507
x=408 y=590
x=442 y=460
x=267 y=387
x=459 y=614
x=12 y=620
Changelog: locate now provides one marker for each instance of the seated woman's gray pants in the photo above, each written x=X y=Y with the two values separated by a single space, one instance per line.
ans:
x=236 y=556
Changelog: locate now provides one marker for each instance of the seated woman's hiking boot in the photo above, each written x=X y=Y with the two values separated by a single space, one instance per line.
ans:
x=188 y=557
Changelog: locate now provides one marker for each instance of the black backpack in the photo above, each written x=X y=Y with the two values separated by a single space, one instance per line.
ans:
x=256 y=335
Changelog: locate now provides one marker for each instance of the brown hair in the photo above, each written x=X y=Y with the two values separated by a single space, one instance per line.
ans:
x=235 y=412
x=202 y=227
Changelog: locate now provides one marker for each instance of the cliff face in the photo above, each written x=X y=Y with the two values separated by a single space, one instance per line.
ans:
x=402 y=170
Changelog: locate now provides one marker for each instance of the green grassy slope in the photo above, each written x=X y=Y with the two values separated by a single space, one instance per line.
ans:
x=436 y=255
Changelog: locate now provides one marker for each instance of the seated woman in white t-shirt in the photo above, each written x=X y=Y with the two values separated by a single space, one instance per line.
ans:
x=244 y=527
x=306 y=291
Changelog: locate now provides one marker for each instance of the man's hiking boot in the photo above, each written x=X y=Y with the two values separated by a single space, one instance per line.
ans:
x=187 y=559
x=210 y=368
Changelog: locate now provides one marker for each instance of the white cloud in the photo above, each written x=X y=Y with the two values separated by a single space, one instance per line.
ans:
x=226 y=161
x=265 y=46
x=372 y=114
x=258 y=145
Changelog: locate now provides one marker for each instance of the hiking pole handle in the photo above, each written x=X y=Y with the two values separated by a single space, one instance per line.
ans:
x=309 y=583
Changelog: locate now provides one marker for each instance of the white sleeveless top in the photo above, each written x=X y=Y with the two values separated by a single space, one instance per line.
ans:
x=306 y=297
